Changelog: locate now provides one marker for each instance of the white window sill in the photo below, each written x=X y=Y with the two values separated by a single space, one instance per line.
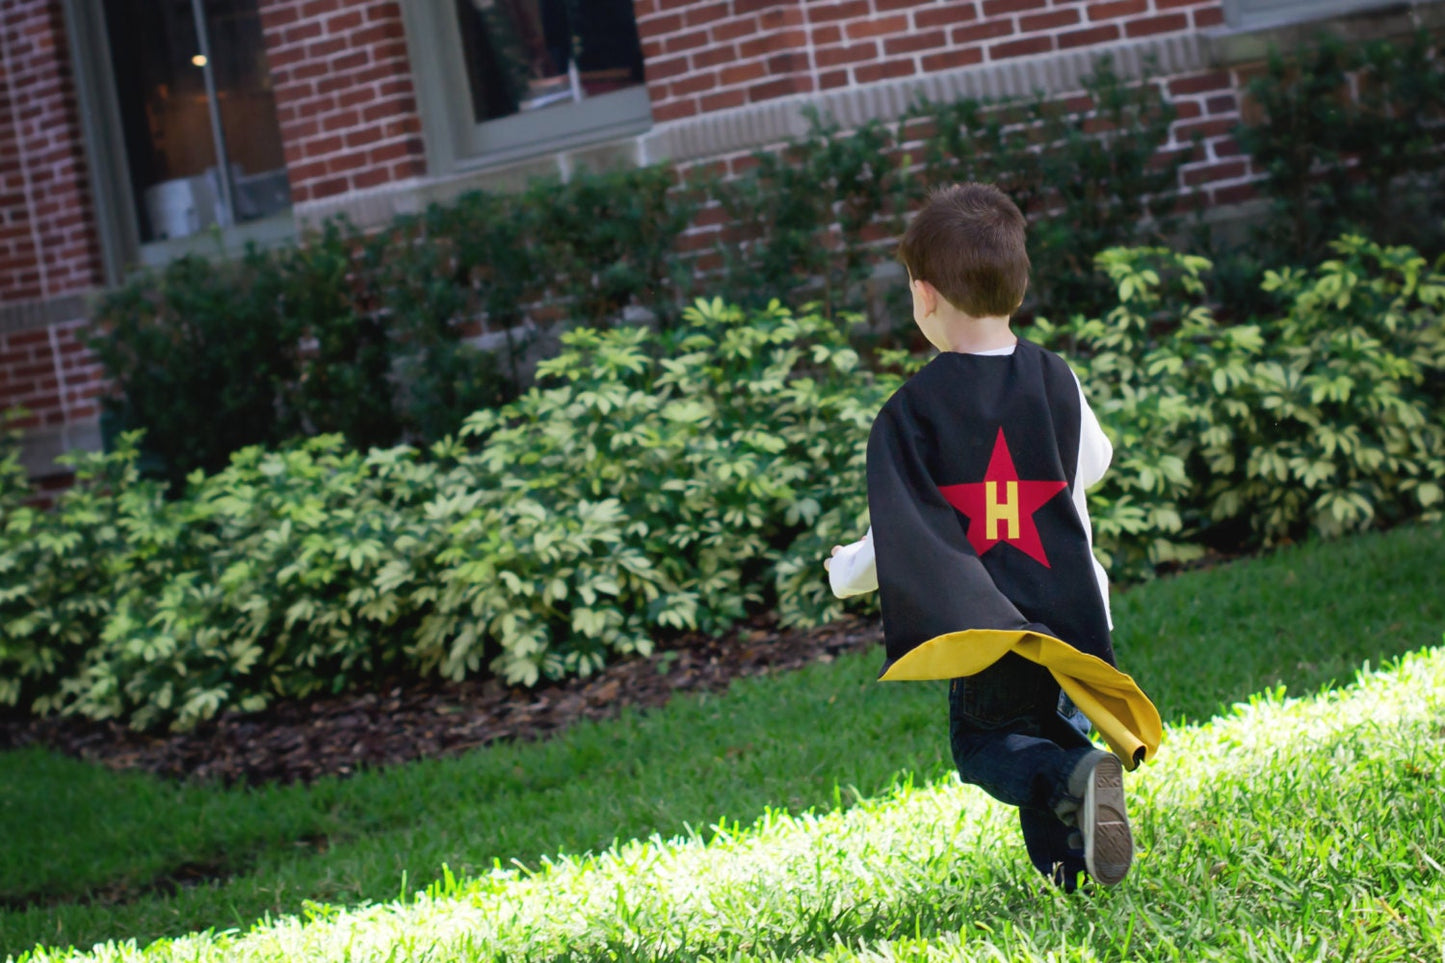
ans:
x=271 y=231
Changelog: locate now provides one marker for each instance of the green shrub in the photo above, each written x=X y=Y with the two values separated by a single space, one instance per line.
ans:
x=1347 y=137
x=1328 y=418
x=276 y=595
x=14 y=479
x=1338 y=415
x=485 y=268
x=649 y=483
x=804 y=223
x=1089 y=176
x=679 y=484
x=329 y=303
x=606 y=240
x=810 y=221
x=429 y=294
x=364 y=335
x=653 y=483
x=197 y=353
x=1135 y=364
x=60 y=567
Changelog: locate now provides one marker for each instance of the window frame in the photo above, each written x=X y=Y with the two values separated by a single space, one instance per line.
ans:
x=1238 y=14
x=456 y=143
x=115 y=205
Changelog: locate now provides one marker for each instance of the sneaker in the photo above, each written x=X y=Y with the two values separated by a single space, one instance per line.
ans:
x=1108 y=843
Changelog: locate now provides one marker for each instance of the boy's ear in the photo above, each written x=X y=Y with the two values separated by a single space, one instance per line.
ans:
x=927 y=297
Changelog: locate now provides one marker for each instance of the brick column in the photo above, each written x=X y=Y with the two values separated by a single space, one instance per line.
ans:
x=48 y=240
x=49 y=245
x=344 y=95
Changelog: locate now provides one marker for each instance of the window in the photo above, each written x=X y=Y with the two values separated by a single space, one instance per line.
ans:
x=539 y=75
x=182 y=125
x=1260 y=14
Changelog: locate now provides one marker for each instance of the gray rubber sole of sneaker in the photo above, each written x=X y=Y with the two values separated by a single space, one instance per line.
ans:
x=1104 y=824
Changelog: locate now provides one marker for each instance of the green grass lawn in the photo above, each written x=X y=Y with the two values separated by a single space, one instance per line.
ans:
x=87 y=846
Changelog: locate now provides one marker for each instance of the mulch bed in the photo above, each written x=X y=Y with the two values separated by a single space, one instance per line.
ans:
x=304 y=741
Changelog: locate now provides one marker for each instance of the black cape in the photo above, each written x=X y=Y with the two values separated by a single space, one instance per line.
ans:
x=980 y=551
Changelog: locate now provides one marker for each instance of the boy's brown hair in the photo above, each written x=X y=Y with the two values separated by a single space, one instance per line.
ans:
x=968 y=242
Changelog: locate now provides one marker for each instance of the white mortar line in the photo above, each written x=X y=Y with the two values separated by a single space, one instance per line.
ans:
x=61 y=386
x=812 y=47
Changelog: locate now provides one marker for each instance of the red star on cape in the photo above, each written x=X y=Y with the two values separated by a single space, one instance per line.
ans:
x=1001 y=507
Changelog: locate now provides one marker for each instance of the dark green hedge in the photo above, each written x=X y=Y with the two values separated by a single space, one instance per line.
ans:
x=655 y=482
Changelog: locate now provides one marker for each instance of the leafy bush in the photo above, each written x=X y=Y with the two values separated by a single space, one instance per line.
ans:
x=812 y=220
x=1347 y=137
x=432 y=278
x=1339 y=410
x=365 y=334
x=1329 y=418
x=650 y=483
x=703 y=464
x=804 y=223
x=197 y=353
x=606 y=242
x=273 y=589
x=14 y=480
x=1135 y=364
x=1089 y=175
x=328 y=305
x=685 y=479
x=59 y=568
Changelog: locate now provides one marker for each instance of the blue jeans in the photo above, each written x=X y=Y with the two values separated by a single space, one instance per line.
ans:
x=1014 y=737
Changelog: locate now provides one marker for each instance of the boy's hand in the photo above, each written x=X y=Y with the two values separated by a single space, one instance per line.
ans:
x=828 y=562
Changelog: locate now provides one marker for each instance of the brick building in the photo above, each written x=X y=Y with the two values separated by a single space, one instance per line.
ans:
x=113 y=114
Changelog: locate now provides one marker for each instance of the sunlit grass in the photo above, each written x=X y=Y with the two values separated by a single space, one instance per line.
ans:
x=1287 y=830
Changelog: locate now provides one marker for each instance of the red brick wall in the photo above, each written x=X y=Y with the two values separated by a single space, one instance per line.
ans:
x=49 y=246
x=706 y=55
x=348 y=109
x=344 y=94
x=48 y=243
x=349 y=117
x=50 y=374
x=1208 y=106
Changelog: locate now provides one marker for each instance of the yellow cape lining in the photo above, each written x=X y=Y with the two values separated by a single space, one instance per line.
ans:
x=1114 y=703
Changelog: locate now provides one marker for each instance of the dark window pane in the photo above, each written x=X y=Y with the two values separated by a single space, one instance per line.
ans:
x=524 y=55
x=248 y=108
x=166 y=113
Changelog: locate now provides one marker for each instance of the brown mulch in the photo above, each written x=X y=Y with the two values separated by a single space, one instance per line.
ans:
x=304 y=741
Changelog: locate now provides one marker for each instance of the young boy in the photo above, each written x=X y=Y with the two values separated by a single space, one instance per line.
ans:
x=983 y=563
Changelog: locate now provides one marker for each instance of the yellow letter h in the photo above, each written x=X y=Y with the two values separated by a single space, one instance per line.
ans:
x=1007 y=511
